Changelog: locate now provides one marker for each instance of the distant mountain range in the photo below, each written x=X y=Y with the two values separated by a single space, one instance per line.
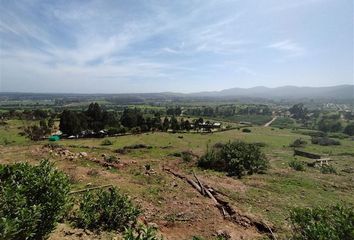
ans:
x=293 y=92
x=340 y=92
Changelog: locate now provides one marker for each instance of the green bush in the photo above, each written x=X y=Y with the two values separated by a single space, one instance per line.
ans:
x=296 y=165
x=324 y=141
x=32 y=200
x=332 y=222
x=236 y=158
x=186 y=156
x=140 y=233
x=328 y=169
x=106 y=142
x=105 y=210
x=246 y=130
x=111 y=159
x=349 y=129
x=298 y=143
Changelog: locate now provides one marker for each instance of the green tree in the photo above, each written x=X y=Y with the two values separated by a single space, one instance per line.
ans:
x=349 y=129
x=166 y=124
x=298 y=111
x=131 y=118
x=186 y=125
x=72 y=123
x=51 y=123
x=35 y=132
x=174 y=124
x=329 y=125
x=94 y=115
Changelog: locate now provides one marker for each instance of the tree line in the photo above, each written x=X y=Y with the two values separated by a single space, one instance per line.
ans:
x=95 y=119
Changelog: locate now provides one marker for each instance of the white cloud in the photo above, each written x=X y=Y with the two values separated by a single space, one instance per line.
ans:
x=289 y=47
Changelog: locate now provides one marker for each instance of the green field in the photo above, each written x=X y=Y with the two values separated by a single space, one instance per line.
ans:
x=268 y=196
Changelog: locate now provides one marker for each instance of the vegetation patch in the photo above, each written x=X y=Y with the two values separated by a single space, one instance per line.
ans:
x=328 y=169
x=106 y=210
x=324 y=141
x=141 y=233
x=246 y=130
x=296 y=165
x=298 y=143
x=32 y=200
x=236 y=158
x=106 y=142
x=333 y=222
x=283 y=122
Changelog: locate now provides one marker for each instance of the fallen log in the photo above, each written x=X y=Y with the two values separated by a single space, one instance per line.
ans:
x=200 y=184
x=210 y=195
x=224 y=206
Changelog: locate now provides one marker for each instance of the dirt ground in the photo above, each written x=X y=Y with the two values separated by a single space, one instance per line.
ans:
x=175 y=208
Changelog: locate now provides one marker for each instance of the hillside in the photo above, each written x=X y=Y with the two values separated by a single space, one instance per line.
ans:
x=294 y=92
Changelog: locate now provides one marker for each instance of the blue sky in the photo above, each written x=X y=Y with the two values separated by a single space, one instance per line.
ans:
x=181 y=46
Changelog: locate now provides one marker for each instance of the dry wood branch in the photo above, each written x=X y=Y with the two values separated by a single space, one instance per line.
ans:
x=90 y=189
x=200 y=184
x=271 y=232
x=226 y=209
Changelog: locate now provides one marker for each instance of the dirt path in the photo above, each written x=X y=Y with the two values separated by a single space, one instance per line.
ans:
x=270 y=122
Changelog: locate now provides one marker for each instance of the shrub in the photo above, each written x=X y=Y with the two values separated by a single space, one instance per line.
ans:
x=186 y=156
x=298 y=143
x=116 y=130
x=32 y=200
x=106 y=142
x=237 y=158
x=324 y=141
x=106 y=210
x=111 y=159
x=327 y=169
x=296 y=165
x=246 y=130
x=349 y=129
x=332 y=222
x=338 y=135
x=141 y=233
x=176 y=154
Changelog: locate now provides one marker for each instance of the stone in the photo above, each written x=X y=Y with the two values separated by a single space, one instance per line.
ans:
x=83 y=154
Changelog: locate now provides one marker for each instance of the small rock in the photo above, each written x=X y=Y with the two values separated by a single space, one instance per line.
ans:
x=88 y=232
x=348 y=170
x=68 y=233
x=83 y=154
x=223 y=233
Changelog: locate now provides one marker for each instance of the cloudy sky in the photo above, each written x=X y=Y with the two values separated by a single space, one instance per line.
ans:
x=183 y=45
